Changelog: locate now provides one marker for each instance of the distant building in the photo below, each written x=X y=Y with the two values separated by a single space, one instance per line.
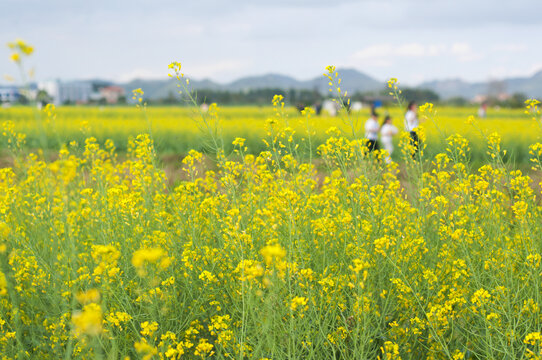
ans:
x=9 y=94
x=75 y=92
x=478 y=99
x=112 y=94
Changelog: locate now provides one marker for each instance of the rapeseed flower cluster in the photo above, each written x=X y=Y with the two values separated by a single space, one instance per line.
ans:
x=20 y=48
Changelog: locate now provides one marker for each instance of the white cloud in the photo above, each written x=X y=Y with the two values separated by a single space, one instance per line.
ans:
x=412 y=50
x=502 y=72
x=510 y=47
x=383 y=55
x=535 y=68
x=415 y=79
x=464 y=52
x=421 y=59
x=376 y=55
x=434 y=50
x=373 y=51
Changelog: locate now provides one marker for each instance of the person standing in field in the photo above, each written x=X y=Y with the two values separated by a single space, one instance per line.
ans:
x=387 y=132
x=371 y=131
x=482 y=111
x=411 y=125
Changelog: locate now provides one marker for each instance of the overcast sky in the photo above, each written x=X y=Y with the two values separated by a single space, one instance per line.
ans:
x=413 y=40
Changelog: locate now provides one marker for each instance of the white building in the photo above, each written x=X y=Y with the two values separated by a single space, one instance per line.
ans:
x=112 y=94
x=75 y=92
x=9 y=94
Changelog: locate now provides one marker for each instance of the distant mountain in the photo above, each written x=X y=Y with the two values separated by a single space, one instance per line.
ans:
x=452 y=88
x=268 y=81
x=160 y=89
x=530 y=86
x=205 y=84
x=352 y=80
x=154 y=89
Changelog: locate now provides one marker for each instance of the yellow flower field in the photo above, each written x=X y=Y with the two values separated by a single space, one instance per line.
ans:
x=264 y=257
x=285 y=239
x=176 y=129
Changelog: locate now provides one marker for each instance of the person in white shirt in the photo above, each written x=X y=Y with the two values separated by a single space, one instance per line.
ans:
x=482 y=111
x=387 y=131
x=411 y=117
x=371 y=131
x=411 y=125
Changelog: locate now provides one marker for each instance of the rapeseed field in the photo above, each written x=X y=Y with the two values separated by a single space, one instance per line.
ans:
x=176 y=129
x=264 y=256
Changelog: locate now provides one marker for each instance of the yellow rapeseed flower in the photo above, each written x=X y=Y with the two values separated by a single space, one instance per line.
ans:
x=15 y=57
x=3 y=284
x=150 y=255
x=143 y=348
x=272 y=253
x=89 y=320
x=89 y=296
